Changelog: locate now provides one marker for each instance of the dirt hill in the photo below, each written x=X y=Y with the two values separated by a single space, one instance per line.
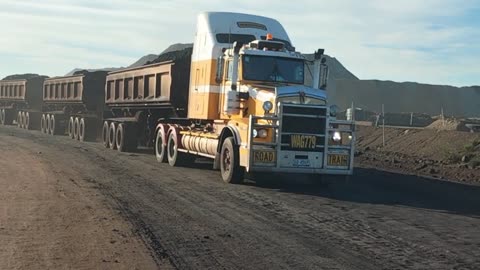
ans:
x=408 y=97
x=445 y=154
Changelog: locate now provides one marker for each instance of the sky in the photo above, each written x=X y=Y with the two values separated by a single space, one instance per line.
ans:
x=428 y=41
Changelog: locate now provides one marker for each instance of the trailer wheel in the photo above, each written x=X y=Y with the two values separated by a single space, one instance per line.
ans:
x=47 y=124
x=2 y=117
x=120 y=141
x=105 y=129
x=22 y=119
x=112 y=135
x=230 y=163
x=52 y=125
x=19 y=118
x=85 y=131
x=43 y=126
x=76 y=128
x=160 y=148
x=27 y=120
x=70 y=128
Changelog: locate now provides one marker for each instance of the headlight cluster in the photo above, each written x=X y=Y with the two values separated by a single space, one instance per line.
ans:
x=340 y=138
x=260 y=133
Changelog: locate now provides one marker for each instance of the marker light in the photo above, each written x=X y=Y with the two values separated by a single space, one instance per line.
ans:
x=269 y=36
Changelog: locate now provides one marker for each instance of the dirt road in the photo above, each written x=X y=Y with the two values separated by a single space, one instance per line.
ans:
x=189 y=219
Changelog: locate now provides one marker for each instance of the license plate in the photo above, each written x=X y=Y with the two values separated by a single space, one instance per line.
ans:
x=263 y=157
x=337 y=160
x=303 y=141
x=301 y=163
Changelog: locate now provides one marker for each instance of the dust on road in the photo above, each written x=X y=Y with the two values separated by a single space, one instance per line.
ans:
x=192 y=220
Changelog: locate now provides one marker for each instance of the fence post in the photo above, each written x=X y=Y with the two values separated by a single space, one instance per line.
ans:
x=383 y=124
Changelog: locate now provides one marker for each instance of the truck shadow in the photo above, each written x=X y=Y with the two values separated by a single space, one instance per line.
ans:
x=377 y=187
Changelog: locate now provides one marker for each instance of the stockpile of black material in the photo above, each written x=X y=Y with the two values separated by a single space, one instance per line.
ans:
x=26 y=76
x=180 y=55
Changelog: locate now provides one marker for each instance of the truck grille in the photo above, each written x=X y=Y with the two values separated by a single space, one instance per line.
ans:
x=306 y=121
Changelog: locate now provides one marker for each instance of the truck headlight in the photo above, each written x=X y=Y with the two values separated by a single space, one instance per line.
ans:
x=337 y=137
x=261 y=133
x=267 y=106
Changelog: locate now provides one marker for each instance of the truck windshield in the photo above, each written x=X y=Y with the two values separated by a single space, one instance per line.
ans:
x=272 y=69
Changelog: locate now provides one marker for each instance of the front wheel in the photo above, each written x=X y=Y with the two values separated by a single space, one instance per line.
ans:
x=230 y=163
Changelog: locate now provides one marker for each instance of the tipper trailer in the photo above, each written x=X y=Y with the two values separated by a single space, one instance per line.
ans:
x=21 y=102
x=239 y=99
x=74 y=105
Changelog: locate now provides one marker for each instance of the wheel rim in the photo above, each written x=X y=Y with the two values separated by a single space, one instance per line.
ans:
x=52 y=124
x=76 y=128
x=226 y=160
x=47 y=124
x=112 y=135
x=118 y=137
x=70 y=127
x=81 y=129
x=27 y=120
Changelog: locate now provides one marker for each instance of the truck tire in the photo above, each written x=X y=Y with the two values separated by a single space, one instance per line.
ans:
x=105 y=130
x=230 y=168
x=43 y=125
x=53 y=127
x=76 y=129
x=82 y=128
x=174 y=157
x=120 y=140
x=70 y=130
x=112 y=135
x=22 y=119
x=160 y=146
x=19 y=119
x=27 y=121
x=47 y=122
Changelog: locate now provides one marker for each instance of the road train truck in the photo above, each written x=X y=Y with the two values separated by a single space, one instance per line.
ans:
x=74 y=105
x=21 y=101
x=238 y=97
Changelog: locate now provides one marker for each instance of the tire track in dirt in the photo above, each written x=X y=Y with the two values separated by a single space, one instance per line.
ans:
x=193 y=220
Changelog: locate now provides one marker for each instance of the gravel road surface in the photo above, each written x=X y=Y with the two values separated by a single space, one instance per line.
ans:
x=187 y=218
